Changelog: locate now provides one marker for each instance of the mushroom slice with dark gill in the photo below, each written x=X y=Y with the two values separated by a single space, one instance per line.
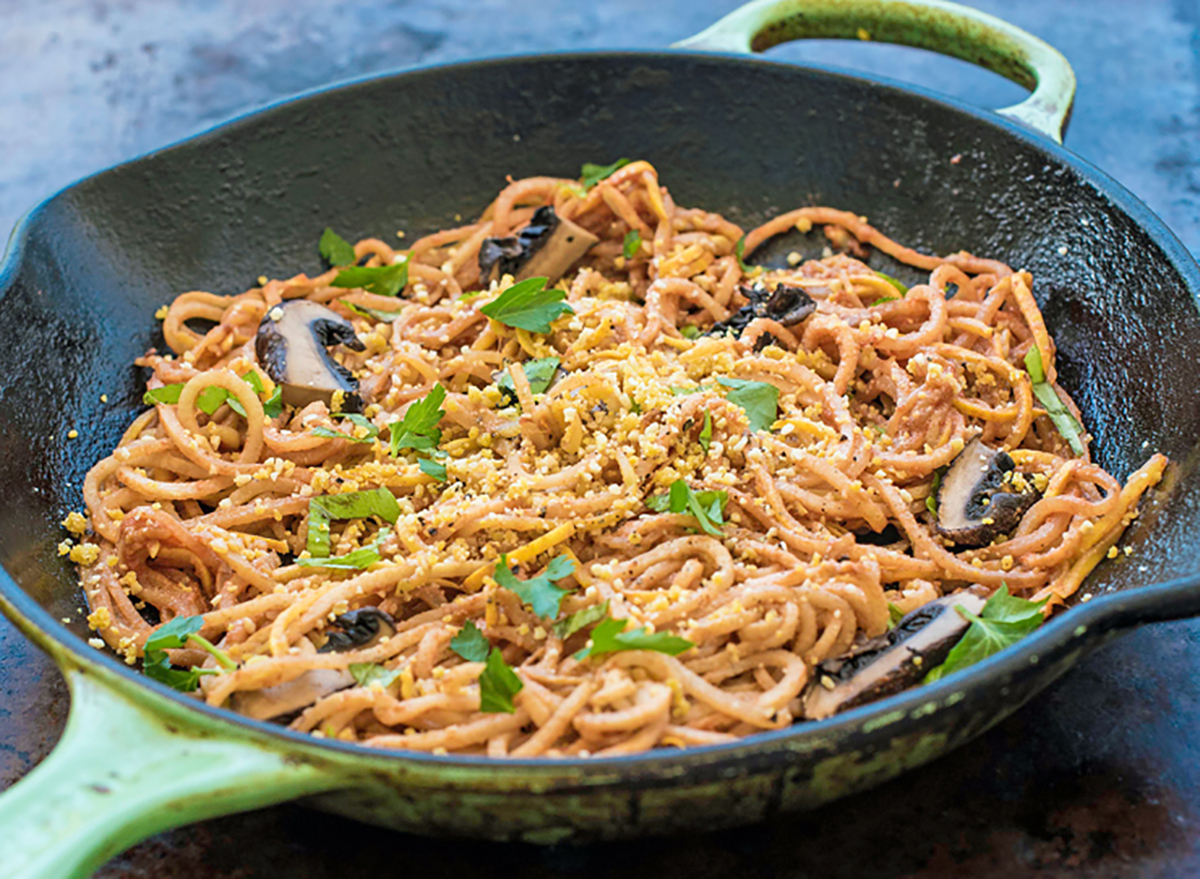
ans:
x=784 y=304
x=978 y=501
x=892 y=662
x=291 y=346
x=358 y=629
x=547 y=247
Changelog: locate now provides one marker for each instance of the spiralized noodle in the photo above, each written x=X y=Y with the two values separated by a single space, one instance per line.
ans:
x=825 y=524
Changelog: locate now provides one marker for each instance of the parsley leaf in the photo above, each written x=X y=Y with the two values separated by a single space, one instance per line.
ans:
x=539 y=373
x=470 y=643
x=352 y=505
x=528 y=305
x=690 y=331
x=432 y=468
x=895 y=615
x=706 y=432
x=381 y=280
x=273 y=405
x=497 y=685
x=738 y=250
x=355 y=560
x=931 y=503
x=336 y=249
x=901 y=289
x=165 y=394
x=210 y=399
x=372 y=674
x=178 y=633
x=567 y=627
x=759 y=400
x=590 y=175
x=538 y=592
x=1070 y=429
x=418 y=429
x=386 y=316
x=632 y=244
x=1003 y=621
x=883 y=299
x=708 y=507
x=610 y=637
x=359 y=420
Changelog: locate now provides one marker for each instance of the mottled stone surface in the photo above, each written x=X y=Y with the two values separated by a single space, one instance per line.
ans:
x=1098 y=777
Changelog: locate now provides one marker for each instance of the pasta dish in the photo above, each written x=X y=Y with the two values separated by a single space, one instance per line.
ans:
x=576 y=479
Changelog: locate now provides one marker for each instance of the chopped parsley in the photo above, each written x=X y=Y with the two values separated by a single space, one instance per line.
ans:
x=590 y=175
x=529 y=305
x=380 y=280
x=497 y=685
x=210 y=399
x=708 y=507
x=538 y=592
x=352 y=505
x=759 y=400
x=357 y=420
x=386 y=317
x=418 y=429
x=372 y=674
x=895 y=615
x=900 y=288
x=610 y=637
x=432 y=469
x=739 y=249
x=179 y=632
x=336 y=249
x=883 y=299
x=356 y=560
x=632 y=244
x=1003 y=621
x=931 y=503
x=690 y=331
x=581 y=619
x=1070 y=429
x=706 y=432
x=470 y=643
x=539 y=373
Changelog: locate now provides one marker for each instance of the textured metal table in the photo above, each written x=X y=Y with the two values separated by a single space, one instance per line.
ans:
x=1098 y=777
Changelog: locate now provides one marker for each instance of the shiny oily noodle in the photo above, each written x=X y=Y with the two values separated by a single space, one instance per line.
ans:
x=730 y=601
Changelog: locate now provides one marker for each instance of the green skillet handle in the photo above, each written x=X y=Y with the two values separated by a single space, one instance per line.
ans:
x=937 y=25
x=121 y=774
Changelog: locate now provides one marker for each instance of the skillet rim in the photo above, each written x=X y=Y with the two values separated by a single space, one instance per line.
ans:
x=1084 y=623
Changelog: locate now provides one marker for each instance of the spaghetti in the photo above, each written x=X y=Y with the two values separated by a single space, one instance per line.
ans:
x=746 y=502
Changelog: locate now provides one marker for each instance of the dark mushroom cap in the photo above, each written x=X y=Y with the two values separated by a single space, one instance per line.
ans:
x=892 y=662
x=291 y=347
x=359 y=628
x=977 y=501
x=548 y=246
x=784 y=304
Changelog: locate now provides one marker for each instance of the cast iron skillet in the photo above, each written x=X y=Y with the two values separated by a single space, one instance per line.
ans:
x=86 y=269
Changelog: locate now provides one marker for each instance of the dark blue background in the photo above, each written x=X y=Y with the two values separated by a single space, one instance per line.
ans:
x=1097 y=778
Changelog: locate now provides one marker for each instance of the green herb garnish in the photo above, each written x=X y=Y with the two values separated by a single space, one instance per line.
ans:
x=356 y=560
x=380 y=280
x=173 y=635
x=738 y=250
x=895 y=615
x=418 y=429
x=372 y=674
x=883 y=299
x=931 y=503
x=432 y=469
x=706 y=432
x=352 y=505
x=538 y=592
x=1003 y=621
x=895 y=283
x=165 y=394
x=497 y=685
x=590 y=175
x=470 y=643
x=539 y=373
x=528 y=305
x=708 y=507
x=759 y=400
x=210 y=399
x=567 y=627
x=632 y=244
x=610 y=637
x=356 y=419
x=336 y=249
x=386 y=317
x=690 y=332
x=1070 y=429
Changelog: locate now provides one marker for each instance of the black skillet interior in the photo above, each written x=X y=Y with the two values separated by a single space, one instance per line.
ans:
x=747 y=138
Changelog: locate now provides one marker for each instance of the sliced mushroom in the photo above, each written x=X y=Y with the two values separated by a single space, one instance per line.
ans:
x=977 y=501
x=547 y=247
x=359 y=628
x=291 y=346
x=282 y=701
x=893 y=661
x=784 y=304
